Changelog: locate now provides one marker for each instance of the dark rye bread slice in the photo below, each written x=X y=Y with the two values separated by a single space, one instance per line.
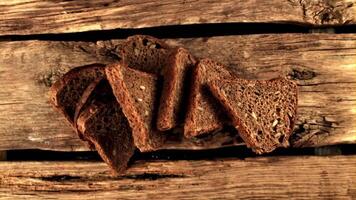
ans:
x=98 y=90
x=106 y=127
x=136 y=92
x=176 y=79
x=66 y=92
x=263 y=111
x=204 y=114
x=145 y=53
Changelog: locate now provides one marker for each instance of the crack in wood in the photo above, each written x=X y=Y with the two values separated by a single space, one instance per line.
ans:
x=302 y=74
x=306 y=129
x=323 y=12
x=59 y=178
x=153 y=176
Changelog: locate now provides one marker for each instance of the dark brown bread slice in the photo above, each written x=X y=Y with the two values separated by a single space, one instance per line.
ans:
x=263 y=111
x=105 y=126
x=136 y=92
x=145 y=53
x=66 y=92
x=176 y=81
x=98 y=90
x=204 y=114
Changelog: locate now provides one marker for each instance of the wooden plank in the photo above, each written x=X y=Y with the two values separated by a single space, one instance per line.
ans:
x=22 y=17
x=253 y=178
x=322 y=64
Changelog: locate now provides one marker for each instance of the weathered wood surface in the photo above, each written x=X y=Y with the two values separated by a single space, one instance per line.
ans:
x=23 y=17
x=253 y=178
x=324 y=66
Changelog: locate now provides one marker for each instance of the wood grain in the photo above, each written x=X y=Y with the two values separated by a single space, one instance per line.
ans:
x=253 y=178
x=22 y=17
x=322 y=64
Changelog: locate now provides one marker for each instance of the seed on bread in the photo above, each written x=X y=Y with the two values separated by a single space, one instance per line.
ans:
x=137 y=52
x=275 y=122
x=254 y=115
x=200 y=108
x=152 y=46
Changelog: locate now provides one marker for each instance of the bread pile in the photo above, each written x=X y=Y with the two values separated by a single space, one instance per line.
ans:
x=155 y=87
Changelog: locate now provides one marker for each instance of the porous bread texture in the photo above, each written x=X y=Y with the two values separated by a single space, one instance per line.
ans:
x=263 y=111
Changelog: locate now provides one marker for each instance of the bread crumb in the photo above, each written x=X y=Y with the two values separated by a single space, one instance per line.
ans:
x=139 y=99
x=146 y=113
x=142 y=87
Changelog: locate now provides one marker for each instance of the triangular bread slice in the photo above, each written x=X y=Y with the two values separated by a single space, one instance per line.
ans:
x=137 y=94
x=204 y=114
x=145 y=53
x=103 y=124
x=66 y=92
x=98 y=90
x=263 y=111
x=175 y=91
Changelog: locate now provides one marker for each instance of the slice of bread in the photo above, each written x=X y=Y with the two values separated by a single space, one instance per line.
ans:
x=204 y=114
x=176 y=81
x=66 y=92
x=137 y=94
x=263 y=111
x=145 y=53
x=98 y=90
x=106 y=127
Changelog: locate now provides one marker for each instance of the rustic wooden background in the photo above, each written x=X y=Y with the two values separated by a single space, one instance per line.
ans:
x=41 y=40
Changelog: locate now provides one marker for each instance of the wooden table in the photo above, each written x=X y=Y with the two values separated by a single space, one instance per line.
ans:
x=41 y=40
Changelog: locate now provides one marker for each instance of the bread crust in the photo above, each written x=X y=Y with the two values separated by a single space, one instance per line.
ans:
x=176 y=82
x=59 y=86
